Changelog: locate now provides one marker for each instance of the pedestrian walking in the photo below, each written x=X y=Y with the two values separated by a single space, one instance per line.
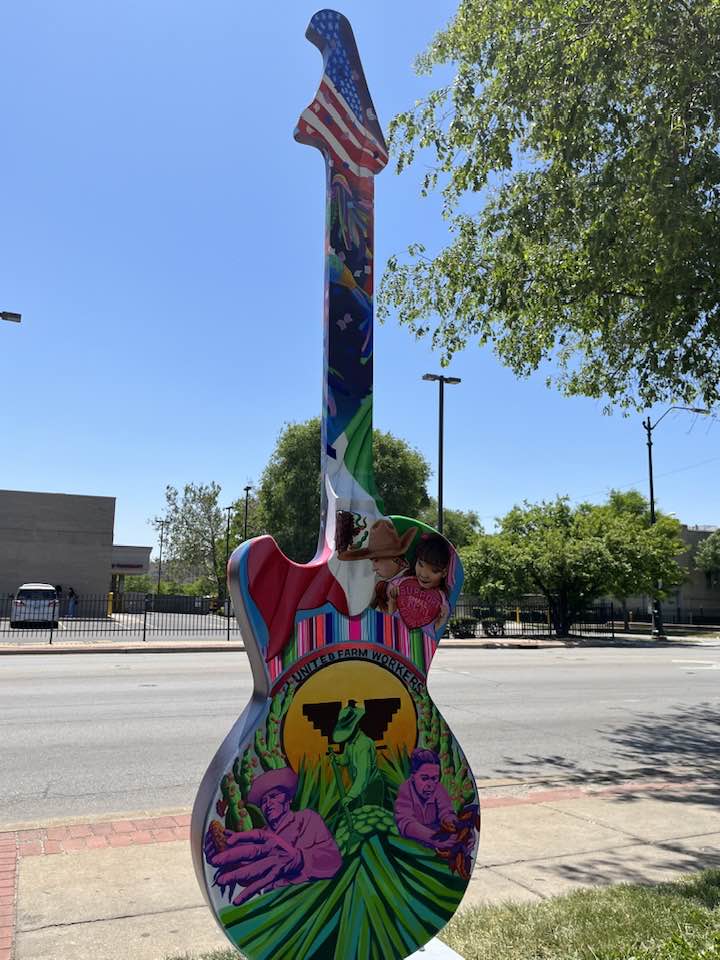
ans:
x=72 y=602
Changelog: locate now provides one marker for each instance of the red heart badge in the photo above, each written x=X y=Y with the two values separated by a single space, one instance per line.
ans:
x=417 y=606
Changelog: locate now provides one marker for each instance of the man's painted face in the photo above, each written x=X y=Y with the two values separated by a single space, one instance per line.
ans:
x=426 y=779
x=387 y=567
x=273 y=804
x=429 y=576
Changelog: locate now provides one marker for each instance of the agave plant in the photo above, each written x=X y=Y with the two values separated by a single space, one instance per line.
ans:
x=387 y=901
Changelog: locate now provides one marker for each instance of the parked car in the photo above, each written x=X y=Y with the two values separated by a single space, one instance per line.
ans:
x=35 y=604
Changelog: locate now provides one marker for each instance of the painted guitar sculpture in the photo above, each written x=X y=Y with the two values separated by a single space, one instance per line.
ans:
x=339 y=819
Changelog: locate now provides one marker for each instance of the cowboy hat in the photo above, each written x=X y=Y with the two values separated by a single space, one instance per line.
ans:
x=347 y=721
x=281 y=779
x=383 y=541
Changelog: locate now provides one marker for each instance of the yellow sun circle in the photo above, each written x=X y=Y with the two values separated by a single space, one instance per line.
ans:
x=338 y=683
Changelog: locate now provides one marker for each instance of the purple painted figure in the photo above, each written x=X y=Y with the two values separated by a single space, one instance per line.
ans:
x=423 y=803
x=293 y=848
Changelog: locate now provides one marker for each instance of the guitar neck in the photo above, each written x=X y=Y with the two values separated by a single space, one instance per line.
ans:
x=341 y=123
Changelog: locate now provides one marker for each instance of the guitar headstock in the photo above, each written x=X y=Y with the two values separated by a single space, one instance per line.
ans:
x=341 y=120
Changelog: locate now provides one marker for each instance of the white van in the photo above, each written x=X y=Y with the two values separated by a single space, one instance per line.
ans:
x=35 y=604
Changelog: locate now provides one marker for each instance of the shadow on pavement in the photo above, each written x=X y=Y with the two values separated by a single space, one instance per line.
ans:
x=607 y=870
x=681 y=749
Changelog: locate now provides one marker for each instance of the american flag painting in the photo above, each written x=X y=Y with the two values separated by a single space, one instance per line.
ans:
x=341 y=122
x=341 y=119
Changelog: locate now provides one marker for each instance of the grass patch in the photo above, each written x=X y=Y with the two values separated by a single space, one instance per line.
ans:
x=669 y=921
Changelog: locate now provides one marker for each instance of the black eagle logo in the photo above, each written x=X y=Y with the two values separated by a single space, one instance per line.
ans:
x=378 y=714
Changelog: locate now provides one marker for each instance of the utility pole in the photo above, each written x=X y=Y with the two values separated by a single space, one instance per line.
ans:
x=657 y=626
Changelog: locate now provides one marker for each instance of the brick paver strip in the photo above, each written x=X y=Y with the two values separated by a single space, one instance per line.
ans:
x=8 y=893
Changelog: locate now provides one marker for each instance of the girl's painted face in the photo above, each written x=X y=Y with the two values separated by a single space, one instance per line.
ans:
x=386 y=567
x=428 y=576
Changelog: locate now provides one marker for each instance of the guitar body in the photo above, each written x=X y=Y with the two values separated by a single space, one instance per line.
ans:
x=339 y=820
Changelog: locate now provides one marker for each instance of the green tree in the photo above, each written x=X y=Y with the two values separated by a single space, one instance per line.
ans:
x=591 y=132
x=461 y=527
x=573 y=555
x=195 y=532
x=289 y=491
x=643 y=555
x=491 y=570
x=139 y=584
x=707 y=556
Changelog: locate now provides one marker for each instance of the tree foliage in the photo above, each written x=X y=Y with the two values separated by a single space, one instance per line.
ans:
x=195 y=528
x=459 y=526
x=289 y=491
x=573 y=555
x=707 y=556
x=591 y=129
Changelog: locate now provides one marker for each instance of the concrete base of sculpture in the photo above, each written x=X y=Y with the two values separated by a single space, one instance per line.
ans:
x=435 y=950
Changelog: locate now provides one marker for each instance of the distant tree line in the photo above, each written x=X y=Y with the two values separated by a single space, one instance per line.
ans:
x=285 y=504
x=569 y=554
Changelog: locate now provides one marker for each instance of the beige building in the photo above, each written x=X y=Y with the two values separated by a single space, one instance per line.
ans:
x=62 y=538
x=698 y=598
x=700 y=592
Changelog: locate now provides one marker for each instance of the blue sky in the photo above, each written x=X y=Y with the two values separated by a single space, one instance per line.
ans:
x=162 y=237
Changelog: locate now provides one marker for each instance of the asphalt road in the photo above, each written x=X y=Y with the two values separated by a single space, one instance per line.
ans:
x=90 y=735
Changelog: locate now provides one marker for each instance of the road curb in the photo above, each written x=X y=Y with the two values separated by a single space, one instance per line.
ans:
x=223 y=648
x=445 y=645
x=35 y=649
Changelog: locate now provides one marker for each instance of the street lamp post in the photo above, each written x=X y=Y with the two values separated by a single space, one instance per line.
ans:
x=657 y=628
x=441 y=414
x=13 y=317
x=227 y=561
x=227 y=536
x=162 y=533
x=247 y=489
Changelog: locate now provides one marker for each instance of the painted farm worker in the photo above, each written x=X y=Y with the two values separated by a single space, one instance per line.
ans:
x=423 y=803
x=72 y=602
x=294 y=847
x=360 y=757
x=386 y=549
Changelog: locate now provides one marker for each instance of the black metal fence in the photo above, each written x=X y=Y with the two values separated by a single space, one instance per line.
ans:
x=474 y=617
x=128 y=616
x=140 y=617
x=685 y=616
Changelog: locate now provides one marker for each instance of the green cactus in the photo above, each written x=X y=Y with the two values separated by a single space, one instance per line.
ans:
x=236 y=816
x=261 y=749
x=435 y=727
x=447 y=770
x=243 y=772
x=425 y=713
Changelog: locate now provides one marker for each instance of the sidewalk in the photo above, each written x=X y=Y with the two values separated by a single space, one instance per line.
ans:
x=110 y=645
x=125 y=887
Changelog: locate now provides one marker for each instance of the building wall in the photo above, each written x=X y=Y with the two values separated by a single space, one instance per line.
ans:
x=56 y=538
x=698 y=592
x=130 y=561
